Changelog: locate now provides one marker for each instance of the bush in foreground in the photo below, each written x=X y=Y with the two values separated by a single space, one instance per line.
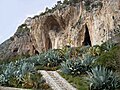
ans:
x=77 y=66
x=101 y=78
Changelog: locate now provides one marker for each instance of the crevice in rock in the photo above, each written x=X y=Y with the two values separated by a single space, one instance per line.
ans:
x=15 y=50
x=35 y=51
x=113 y=17
x=48 y=43
x=87 y=40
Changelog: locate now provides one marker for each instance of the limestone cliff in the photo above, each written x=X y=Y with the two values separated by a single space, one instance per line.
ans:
x=87 y=22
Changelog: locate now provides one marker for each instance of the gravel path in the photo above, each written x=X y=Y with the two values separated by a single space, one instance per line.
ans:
x=55 y=81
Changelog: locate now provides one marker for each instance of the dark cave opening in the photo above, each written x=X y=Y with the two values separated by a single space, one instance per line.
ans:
x=36 y=52
x=87 y=40
x=49 y=43
x=15 y=50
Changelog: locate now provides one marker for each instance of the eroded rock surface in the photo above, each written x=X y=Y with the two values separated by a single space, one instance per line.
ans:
x=89 y=22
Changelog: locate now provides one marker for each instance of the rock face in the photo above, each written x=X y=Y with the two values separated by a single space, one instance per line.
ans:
x=89 y=22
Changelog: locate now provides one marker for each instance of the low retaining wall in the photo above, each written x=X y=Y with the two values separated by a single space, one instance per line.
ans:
x=12 y=88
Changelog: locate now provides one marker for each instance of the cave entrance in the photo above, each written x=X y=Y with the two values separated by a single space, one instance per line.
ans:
x=35 y=51
x=48 y=43
x=52 y=28
x=87 y=40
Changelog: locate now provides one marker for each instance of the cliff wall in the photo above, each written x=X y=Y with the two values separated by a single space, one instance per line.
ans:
x=88 y=22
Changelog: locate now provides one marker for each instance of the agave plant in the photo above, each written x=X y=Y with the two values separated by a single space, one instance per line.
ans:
x=15 y=71
x=71 y=66
x=95 y=50
x=22 y=69
x=107 y=46
x=77 y=66
x=31 y=80
x=84 y=49
x=65 y=65
x=101 y=78
x=7 y=72
x=52 y=58
x=87 y=60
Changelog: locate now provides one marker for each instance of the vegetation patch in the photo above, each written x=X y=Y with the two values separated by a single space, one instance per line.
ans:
x=101 y=78
x=59 y=6
x=20 y=74
x=75 y=64
x=110 y=59
x=22 y=30
x=91 y=5
x=78 y=82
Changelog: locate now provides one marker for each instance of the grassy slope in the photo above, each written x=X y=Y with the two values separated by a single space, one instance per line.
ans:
x=78 y=82
x=110 y=59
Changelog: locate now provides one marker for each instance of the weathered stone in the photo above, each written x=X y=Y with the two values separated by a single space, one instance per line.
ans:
x=75 y=25
x=11 y=88
x=55 y=81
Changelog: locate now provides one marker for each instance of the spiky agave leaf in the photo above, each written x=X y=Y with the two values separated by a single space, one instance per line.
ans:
x=101 y=78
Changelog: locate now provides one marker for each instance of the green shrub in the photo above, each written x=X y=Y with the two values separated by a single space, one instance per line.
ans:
x=66 y=2
x=72 y=67
x=74 y=52
x=22 y=30
x=42 y=13
x=20 y=74
x=87 y=5
x=107 y=46
x=101 y=78
x=67 y=52
x=77 y=66
x=95 y=50
x=88 y=60
x=15 y=70
x=92 y=4
x=71 y=1
x=84 y=49
x=110 y=59
x=51 y=58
